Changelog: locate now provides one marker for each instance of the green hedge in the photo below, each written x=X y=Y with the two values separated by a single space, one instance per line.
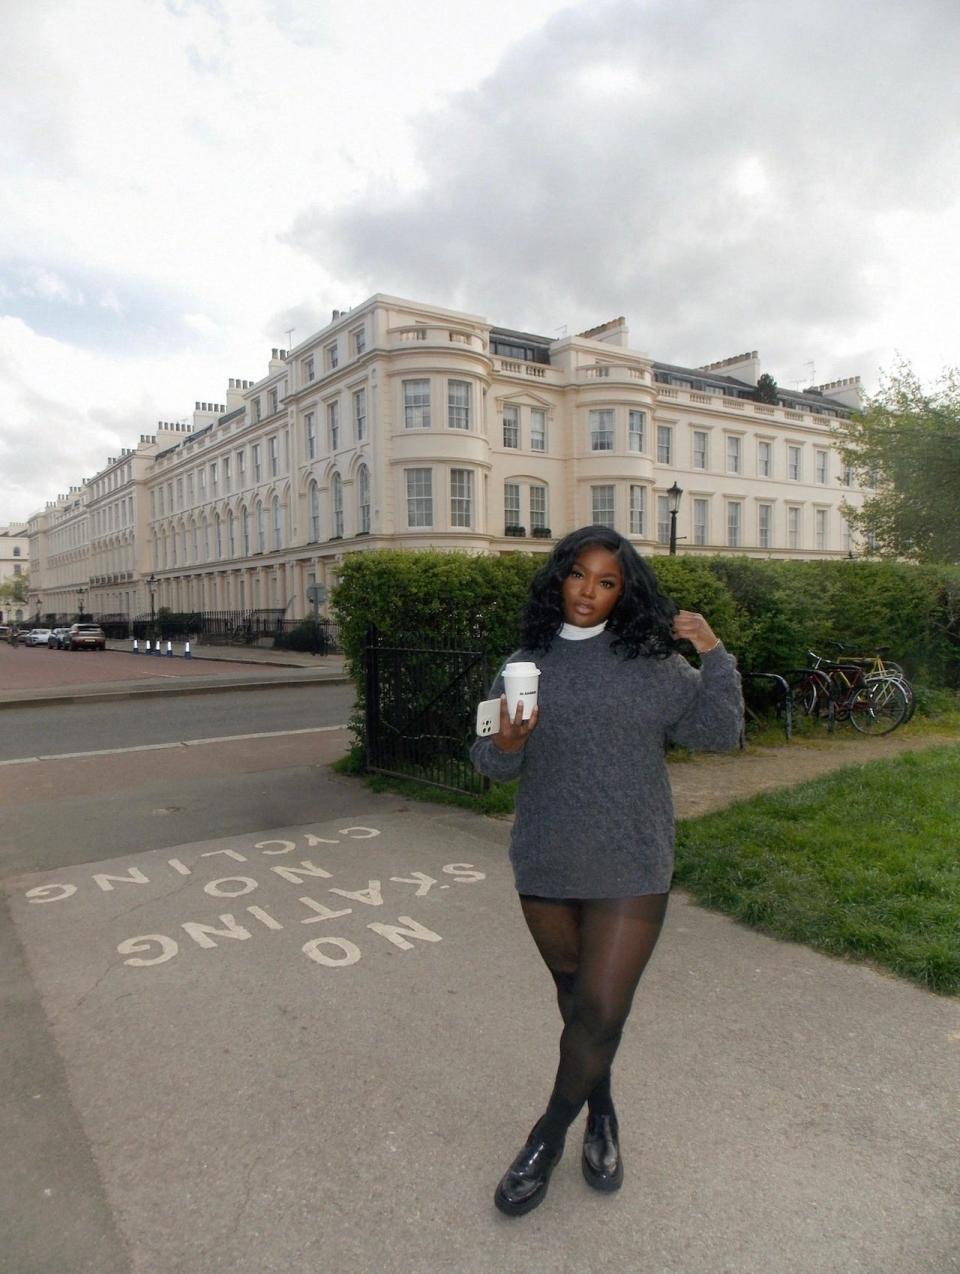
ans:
x=768 y=612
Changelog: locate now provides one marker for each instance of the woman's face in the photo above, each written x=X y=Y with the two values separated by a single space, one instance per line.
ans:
x=593 y=587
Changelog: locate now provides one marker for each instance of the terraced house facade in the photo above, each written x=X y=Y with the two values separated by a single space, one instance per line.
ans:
x=405 y=425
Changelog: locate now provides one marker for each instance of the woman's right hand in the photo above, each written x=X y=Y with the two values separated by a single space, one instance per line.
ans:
x=513 y=734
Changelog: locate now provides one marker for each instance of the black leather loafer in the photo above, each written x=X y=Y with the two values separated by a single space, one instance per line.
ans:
x=523 y=1186
x=601 y=1162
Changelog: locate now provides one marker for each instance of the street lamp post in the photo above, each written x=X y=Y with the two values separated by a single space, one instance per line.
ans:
x=673 y=495
x=81 y=593
x=152 y=584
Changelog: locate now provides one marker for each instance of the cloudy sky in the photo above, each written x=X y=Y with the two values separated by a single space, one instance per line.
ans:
x=185 y=180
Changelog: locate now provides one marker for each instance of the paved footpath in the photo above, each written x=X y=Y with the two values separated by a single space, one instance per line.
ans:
x=315 y=1048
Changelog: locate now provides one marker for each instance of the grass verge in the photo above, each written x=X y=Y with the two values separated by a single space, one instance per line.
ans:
x=498 y=799
x=862 y=863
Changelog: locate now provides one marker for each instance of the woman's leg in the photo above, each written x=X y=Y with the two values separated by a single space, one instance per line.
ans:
x=554 y=925
x=617 y=939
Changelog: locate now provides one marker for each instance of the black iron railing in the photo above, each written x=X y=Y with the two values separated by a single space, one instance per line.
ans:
x=420 y=703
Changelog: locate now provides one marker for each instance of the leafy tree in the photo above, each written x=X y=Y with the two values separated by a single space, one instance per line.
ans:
x=767 y=390
x=15 y=590
x=906 y=444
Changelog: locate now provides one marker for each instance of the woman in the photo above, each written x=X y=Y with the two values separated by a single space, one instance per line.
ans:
x=592 y=844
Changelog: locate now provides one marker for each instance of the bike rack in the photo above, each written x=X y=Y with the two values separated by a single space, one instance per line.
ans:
x=787 y=699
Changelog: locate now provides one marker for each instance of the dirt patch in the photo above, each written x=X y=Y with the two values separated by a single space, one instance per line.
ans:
x=709 y=781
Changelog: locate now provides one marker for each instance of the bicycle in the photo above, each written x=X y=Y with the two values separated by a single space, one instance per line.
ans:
x=873 y=703
x=879 y=666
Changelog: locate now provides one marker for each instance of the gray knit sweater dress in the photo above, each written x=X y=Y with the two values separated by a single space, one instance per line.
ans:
x=594 y=815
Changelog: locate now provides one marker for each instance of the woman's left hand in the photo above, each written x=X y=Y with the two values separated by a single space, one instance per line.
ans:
x=692 y=627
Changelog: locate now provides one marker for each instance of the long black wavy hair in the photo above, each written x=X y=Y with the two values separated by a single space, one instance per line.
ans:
x=642 y=618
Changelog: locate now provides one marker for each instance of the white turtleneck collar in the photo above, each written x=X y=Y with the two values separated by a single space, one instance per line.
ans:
x=572 y=633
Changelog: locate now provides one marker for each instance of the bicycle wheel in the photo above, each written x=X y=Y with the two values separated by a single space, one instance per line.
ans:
x=879 y=706
x=811 y=693
x=907 y=688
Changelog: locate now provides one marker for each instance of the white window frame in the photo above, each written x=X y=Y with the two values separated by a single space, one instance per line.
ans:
x=603 y=506
x=363 y=499
x=701 y=524
x=663 y=519
x=461 y=498
x=636 y=430
x=539 y=506
x=310 y=434
x=734 y=453
x=314 y=512
x=359 y=338
x=458 y=412
x=333 y=425
x=419 y=492
x=764 y=458
x=416 y=404
x=794 y=463
x=638 y=508
x=336 y=503
x=822 y=528
x=511 y=426
x=360 y=413
x=276 y=520
x=511 y=510
x=700 y=455
x=820 y=465
x=794 y=527
x=764 y=526
x=602 y=427
x=734 y=523
x=664 y=444
x=538 y=429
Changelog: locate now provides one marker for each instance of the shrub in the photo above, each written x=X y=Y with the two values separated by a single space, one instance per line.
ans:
x=310 y=636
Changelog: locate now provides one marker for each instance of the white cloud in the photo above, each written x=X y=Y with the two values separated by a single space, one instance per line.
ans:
x=728 y=173
x=741 y=201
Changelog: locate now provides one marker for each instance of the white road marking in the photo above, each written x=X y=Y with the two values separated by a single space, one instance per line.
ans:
x=179 y=743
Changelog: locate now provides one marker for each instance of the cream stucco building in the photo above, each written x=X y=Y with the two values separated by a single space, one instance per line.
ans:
x=14 y=565
x=403 y=424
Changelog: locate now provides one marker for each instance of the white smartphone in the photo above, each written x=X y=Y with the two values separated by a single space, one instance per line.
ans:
x=488 y=717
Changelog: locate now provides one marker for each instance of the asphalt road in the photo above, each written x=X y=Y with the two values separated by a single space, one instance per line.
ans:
x=79 y=727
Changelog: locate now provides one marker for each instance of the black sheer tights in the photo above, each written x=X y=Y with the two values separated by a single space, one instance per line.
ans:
x=596 y=949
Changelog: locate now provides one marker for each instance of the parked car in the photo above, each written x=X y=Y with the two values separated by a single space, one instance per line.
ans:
x=37 y=637
x=85 y=637
x=6 y=632
x=58 y=639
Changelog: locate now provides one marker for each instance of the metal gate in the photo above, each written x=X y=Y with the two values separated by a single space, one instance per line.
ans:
x=420 y=710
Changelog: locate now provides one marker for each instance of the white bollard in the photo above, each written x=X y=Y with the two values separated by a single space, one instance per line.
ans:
x=169 y=648
x=136 y=650
x=156 y=648
x=186 y=651
x=146 y=647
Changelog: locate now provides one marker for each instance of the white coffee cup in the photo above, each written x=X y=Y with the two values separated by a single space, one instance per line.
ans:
x=520 y=683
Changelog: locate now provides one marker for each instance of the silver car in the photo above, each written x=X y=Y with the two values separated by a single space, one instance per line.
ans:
x=37 y=637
